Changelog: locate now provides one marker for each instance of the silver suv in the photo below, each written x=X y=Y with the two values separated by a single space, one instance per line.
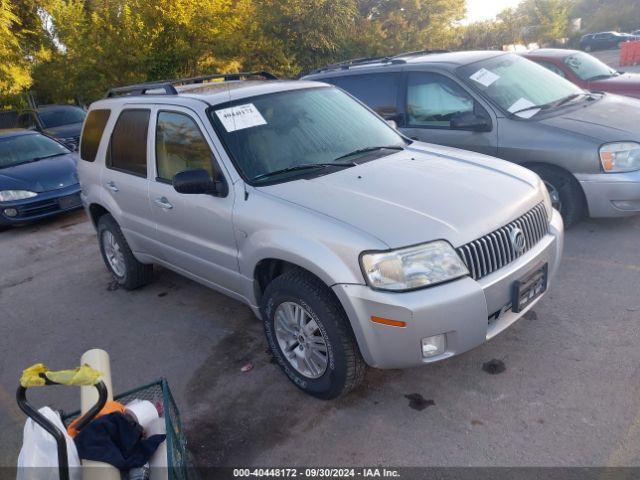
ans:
x=354 y=245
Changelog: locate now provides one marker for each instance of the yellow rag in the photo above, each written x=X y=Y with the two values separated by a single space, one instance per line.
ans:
x=84 y=376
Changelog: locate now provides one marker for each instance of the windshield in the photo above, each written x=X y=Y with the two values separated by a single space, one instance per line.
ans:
x=283 y=130
x=587 y=67
x=515 y=83
x=52 y=118
x=26 y=148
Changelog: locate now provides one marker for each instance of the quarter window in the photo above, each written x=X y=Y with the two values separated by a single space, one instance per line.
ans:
x=92 y=133
x=180 y=146
x=27 y=120
x=378 y=91
x=128 y=145
x=432 y=100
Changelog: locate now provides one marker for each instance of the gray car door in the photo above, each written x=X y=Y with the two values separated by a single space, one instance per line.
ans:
x=432 y=100
x=124 y=178
x=196 y=231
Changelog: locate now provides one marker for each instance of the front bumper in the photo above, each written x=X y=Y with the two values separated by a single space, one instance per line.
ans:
x=611 y=194
x=461 y=309
x=43 y=205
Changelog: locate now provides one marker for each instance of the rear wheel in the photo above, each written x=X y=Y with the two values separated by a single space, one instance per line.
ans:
x=565 y=192
x=309 y=336
x=117 y=256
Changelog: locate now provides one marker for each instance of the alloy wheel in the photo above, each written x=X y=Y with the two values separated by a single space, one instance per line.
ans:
x=114 y=254
x=554 y=193
x=301 y=340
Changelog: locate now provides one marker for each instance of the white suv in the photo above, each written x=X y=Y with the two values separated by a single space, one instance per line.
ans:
x=352 y=243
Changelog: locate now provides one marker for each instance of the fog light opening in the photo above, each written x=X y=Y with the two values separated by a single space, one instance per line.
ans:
x=10 y=212
x=433 y=346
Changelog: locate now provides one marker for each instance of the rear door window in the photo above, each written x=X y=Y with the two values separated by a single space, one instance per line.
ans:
x=92 y=133
x=379 y=91
x=128 y=144
x=432 y=100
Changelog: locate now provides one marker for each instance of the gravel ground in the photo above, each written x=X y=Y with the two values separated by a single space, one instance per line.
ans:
x=569 y=394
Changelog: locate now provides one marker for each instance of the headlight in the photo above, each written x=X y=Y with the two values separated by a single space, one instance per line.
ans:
x=11 y=195
x=620 y=157
x=413 y=267
x=546 y=198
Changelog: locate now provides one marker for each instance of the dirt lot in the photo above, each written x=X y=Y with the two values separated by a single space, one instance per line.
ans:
x=570 y=394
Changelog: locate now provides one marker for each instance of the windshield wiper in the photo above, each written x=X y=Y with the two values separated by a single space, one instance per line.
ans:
x=304 y=166
x=555 y=103
x=601 y=77
x=369 y=149
x=47 y=156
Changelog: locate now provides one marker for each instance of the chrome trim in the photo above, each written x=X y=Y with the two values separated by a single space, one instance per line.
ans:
x=495 y=250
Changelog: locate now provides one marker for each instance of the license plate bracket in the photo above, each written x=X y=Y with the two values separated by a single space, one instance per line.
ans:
x=527 y=290
x=70 y=201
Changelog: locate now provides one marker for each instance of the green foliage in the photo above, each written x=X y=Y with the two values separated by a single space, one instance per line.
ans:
x=14 y=68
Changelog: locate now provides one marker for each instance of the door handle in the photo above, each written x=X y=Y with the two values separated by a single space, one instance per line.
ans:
x=162 y=202
x=111 y=185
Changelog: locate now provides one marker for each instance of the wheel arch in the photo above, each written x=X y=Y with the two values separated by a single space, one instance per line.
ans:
x=551 y=166
x=96 y=211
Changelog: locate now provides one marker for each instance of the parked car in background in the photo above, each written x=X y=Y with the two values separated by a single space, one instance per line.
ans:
x=604 y=40
x=354 y=244
x=62 y=122
x=38 y=177
x=586 y=71
x=585 y=146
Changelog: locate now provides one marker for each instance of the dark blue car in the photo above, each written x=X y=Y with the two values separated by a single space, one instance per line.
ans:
x=37 y=177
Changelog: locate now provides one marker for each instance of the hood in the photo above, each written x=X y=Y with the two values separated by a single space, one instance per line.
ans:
x=423 y=193
x=611 y=118
x=628 y=83
x=42 y=175
x=71 y=130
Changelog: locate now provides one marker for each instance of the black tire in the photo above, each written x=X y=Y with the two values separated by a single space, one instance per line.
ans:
x=570 y=193
x=135 y=274
x=346 y=367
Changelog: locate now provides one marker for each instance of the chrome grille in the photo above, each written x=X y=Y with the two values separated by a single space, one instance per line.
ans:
x=496 y=249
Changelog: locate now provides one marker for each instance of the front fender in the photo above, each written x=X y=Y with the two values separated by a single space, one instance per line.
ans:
x=305 y=252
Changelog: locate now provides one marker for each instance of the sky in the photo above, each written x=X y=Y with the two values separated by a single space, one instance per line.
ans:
x=487 y=9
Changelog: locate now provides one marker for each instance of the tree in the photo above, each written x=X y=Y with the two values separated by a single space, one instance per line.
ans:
x=14 y=66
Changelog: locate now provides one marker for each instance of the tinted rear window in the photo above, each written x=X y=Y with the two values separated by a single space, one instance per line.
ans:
x=128 y=146
x=92 y=133
x=379 y=90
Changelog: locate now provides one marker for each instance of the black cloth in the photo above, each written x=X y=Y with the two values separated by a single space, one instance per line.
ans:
x=116 y=439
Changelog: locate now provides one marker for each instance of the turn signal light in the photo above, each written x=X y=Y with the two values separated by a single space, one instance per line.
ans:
x=389 y=322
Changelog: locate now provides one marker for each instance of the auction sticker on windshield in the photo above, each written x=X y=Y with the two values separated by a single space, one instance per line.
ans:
x=527 y=106
x=240 y=117
x=485 y=77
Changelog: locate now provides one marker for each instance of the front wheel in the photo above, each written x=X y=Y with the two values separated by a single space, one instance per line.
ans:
x=565 y=192
x=118 y=257
x=588 y=48
x=309 y=336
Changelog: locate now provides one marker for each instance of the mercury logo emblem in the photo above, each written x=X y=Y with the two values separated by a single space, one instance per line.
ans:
x=518 y=240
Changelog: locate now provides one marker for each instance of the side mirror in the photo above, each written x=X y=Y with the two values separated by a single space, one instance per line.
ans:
x=470 y=121
x=392 y=124
x=199 y=181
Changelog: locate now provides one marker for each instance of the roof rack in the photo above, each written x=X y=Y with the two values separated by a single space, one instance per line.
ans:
x=420 y=52
x=390 y=59
x=168 y=86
